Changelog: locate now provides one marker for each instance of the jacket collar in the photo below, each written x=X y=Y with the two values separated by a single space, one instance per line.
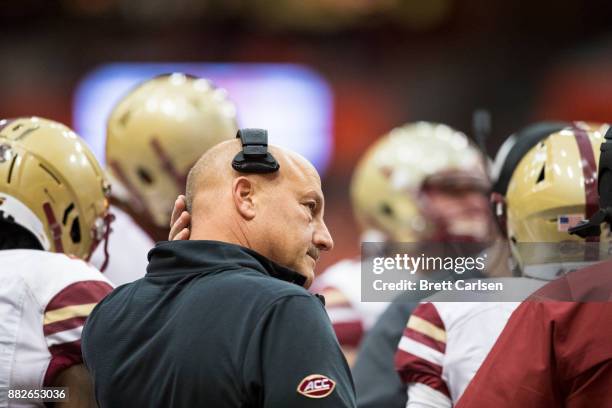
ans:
x=194 y=256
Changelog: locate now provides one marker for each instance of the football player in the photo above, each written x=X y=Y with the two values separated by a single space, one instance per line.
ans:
x=154 y=135
x=53 y=214
x=374 y=372
x=555 y=350
x=444 y=343
x=421 y=181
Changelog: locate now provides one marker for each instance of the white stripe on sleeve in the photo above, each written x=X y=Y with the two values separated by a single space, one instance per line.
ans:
x=423 y=396
x=420 y=350
x=66 y=336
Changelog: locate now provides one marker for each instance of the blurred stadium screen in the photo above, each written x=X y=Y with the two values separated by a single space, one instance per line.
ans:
x=292 y=101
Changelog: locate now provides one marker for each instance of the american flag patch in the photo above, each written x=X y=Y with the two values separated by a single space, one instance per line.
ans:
x=565 y=222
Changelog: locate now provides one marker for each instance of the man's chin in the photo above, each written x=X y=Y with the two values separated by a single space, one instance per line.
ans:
x=308 y=274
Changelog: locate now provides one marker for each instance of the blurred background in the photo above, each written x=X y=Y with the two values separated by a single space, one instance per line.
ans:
x=327 y=77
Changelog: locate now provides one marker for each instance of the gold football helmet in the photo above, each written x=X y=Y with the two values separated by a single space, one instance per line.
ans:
x=157 y=132
x=552 y=189
x=389 y=179
x=52 y=185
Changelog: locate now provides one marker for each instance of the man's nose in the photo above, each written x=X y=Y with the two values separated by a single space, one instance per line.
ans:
x=322 y=238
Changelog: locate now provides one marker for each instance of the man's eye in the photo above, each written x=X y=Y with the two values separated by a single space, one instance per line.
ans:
x=311 y=205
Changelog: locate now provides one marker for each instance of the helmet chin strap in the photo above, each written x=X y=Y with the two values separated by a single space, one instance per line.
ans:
x=107 y=220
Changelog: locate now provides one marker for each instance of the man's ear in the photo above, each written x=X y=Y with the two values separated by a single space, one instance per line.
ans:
x=242 y=193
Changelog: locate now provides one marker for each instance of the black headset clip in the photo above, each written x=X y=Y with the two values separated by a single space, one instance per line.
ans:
x=254 y=157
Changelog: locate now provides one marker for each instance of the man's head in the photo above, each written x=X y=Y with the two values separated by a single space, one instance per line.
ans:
x=422 y=182
x=279 y=215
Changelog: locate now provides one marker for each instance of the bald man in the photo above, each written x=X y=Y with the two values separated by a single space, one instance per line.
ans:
x=223 y=319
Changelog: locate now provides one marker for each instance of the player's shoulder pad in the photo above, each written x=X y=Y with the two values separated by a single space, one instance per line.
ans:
x=46 y=273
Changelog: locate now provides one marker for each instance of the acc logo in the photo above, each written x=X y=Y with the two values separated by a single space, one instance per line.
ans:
x=316 y=386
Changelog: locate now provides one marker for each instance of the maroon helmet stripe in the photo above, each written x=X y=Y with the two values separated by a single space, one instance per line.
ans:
x=54 y=226
x=136 y=200
x=167 y=165
x=589 y=172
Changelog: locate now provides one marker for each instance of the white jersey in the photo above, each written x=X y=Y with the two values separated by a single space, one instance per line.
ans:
x=444 y=344
x=44 y=300
x=128 y=247
x=350 y=317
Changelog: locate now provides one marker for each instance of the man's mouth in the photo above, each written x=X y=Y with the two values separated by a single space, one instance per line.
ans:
x=314 y=256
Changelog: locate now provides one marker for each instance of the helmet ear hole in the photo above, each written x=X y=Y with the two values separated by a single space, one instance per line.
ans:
x=144 y=175
x=75 y=231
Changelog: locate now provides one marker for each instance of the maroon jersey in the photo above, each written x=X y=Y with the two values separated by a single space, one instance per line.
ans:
x=555 y=351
